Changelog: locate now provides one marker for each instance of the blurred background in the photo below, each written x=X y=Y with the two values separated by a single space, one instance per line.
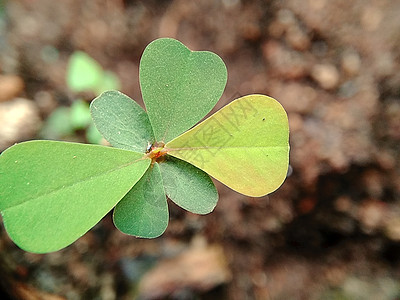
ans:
x=332 y=231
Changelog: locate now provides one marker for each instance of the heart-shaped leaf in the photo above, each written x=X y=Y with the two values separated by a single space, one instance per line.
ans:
x=51 y=193
x=245 y=145
x=188 y=186
x=109 y=81
x=179 y=87
x=121 y=121
x=143 y=212
x=83 y=73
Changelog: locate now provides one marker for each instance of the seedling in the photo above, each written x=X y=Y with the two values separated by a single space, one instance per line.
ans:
x=51 y=192
x=84 y=74
x=64 y=122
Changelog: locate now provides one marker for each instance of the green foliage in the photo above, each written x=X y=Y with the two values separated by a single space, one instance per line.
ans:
x=64 y=121
x=122 y=121
x=185 y=84
x=246 y=139
x=80 y=115
x=143 y=212
x=51 y=193
x=188 y=186
x=85 y=74
x=58 y=124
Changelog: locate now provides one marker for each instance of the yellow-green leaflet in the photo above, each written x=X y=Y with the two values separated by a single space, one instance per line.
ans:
x=245 y=145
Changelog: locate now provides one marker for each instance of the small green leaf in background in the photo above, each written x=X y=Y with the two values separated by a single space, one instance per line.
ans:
x=121 y=121
x=245 y=145
x=51 y=192
x=85 y=74
x=93 y=136
x=143 y=212
x=80 y=115
x=58 y=124
x=179 y=86
x=63 y=122
x=110 y=81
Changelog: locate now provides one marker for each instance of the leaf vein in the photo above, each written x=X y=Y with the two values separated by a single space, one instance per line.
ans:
x=74 y=183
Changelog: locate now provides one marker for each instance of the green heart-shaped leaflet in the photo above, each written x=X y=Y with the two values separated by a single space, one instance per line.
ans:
x=188 y=186
x=51 y=193
x=245 y=145
x=121 y=121
x=179 y=86
x=85 y=74
x=143 y=212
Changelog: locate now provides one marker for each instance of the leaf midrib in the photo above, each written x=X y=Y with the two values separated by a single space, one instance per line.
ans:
x=221 y=147
x=75 y=183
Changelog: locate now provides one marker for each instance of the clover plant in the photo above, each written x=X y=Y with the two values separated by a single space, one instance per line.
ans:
x=65 y=121
x=84 y=74
x=52 y=192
